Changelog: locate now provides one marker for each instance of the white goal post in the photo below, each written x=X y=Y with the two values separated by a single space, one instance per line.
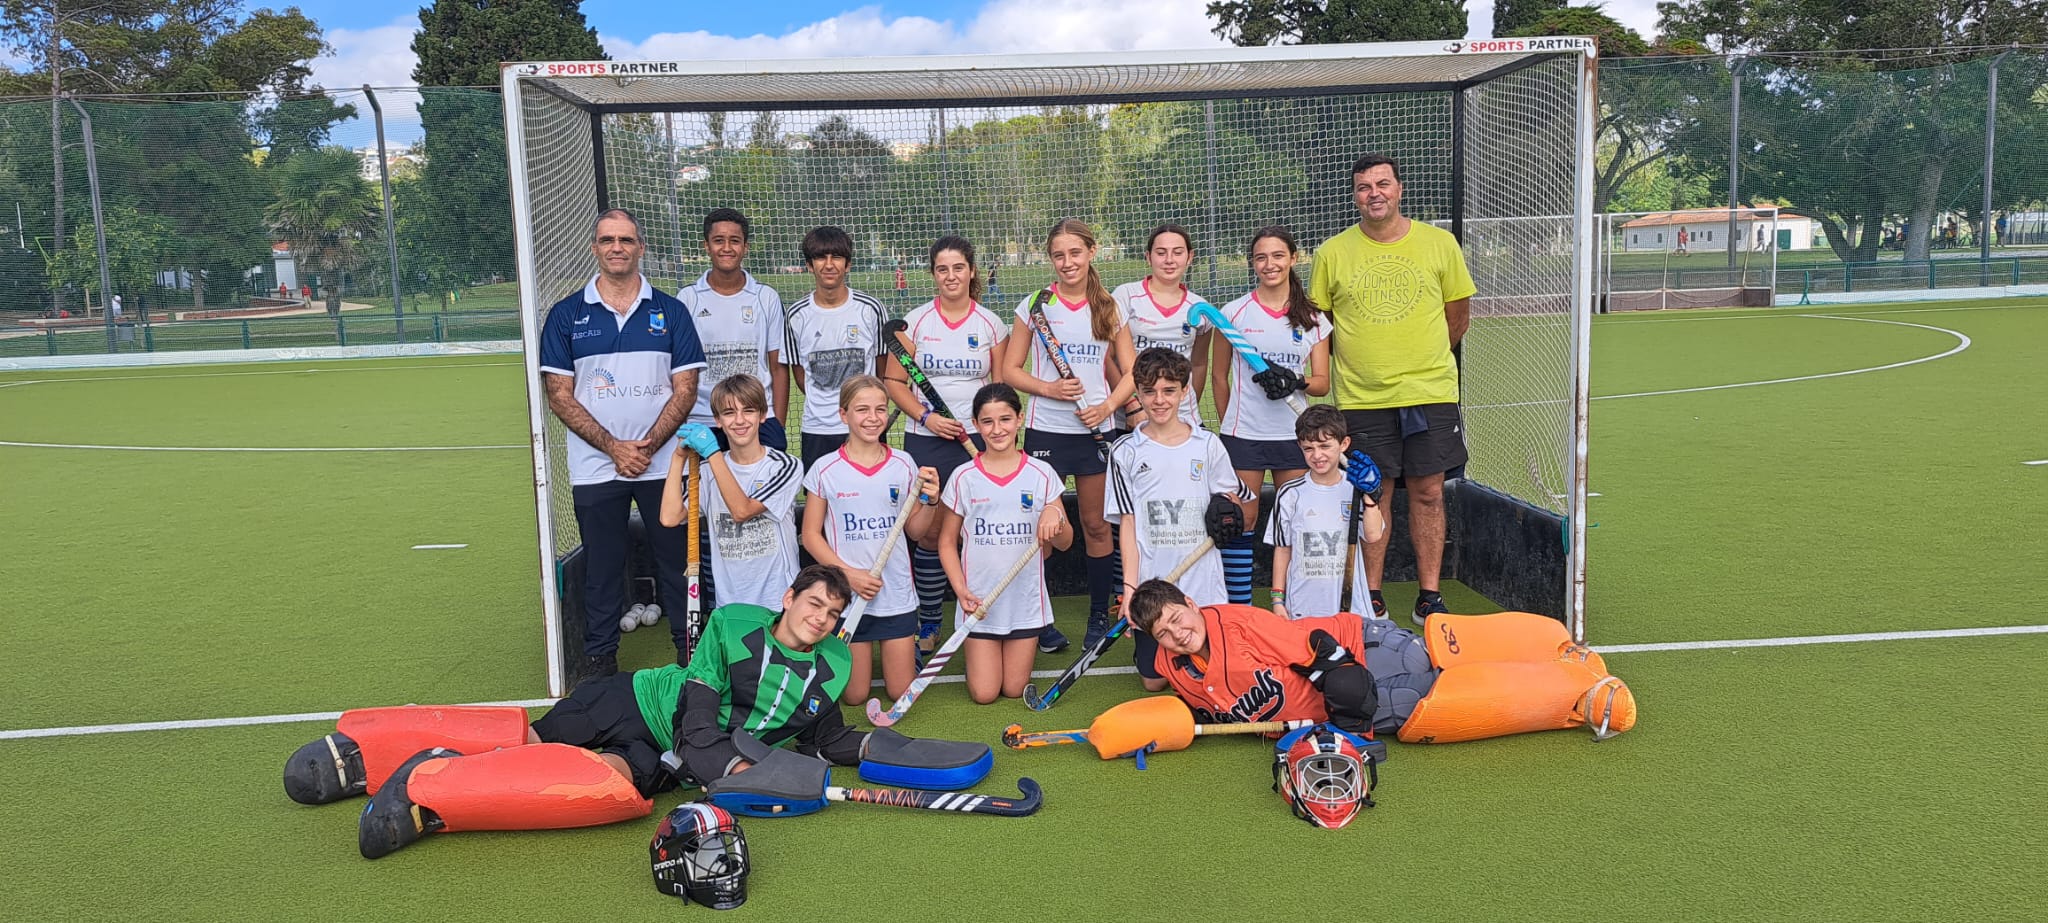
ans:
x=1495 y=139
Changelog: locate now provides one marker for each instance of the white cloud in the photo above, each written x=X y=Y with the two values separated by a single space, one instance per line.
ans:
x=1006 y=26
x=381 y=57
x=1640 y=15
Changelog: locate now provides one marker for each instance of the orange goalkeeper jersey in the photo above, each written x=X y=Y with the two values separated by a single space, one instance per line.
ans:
x=1246 y=677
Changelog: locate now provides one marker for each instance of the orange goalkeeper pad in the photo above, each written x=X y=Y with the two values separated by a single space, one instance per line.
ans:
x=389 y=736
x=1523 y=636
x=1479 y=700
x=533 y=787
x=1163 y=721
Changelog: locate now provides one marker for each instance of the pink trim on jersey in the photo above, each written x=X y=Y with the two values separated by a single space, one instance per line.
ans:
x=939 y=311
x=1164 y=311
x=887 y=453
x=993 y=478
x=1064 y=303
x=1275 y=313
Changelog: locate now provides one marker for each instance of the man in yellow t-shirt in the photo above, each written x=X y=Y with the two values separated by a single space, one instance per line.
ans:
x=1400 y=298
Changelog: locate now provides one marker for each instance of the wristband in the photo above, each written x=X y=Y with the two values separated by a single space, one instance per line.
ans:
x=921 y=420
x=1279 y=595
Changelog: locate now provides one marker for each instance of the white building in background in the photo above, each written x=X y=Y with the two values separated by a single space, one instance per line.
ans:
x=285 y=266
x=401 y=161
x=1702 y=229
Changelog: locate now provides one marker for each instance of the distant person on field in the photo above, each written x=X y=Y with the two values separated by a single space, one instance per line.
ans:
x=306 y=293
x=114 y=308
x=621 y=362
x=284 y=292
x=1400 y=299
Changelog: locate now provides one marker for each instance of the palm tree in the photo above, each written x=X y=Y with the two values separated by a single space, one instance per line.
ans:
x=324 y=208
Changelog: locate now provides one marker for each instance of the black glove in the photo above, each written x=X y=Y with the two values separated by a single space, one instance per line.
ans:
x=1224 y=519
x=1325 y=655
x=1279 y=382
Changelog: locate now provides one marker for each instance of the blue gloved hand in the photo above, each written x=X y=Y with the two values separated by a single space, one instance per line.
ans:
x=698 y=438
x=1361 y=472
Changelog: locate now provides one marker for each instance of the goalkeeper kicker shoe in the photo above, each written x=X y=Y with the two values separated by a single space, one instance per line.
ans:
x=391 y=821
x=1426 y=605
x=326 y=771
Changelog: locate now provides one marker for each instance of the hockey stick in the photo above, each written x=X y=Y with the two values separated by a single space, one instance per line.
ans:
x=1043 y=325
x=693 y=608
x=854 y=610
x=962 y=802
x=939 y=658
x=1359 y=498
x=1251 y=357
x=895 y=336
x=1015 y=737
x=1072 y=675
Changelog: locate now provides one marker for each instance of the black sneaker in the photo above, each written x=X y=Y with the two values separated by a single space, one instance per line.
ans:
x=1098 y=626
x=1425 y=606
x=391 y=821
x=326 y=771
x=1050 y=641
x=1379 y=608
x=600 y=665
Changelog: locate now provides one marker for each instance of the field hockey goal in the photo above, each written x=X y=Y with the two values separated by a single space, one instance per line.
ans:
x=1494 y=138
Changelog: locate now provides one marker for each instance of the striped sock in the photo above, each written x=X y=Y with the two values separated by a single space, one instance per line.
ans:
x=931 y=582
x=1237 y=568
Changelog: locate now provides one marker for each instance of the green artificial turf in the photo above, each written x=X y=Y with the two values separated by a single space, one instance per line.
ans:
x=1871 y=781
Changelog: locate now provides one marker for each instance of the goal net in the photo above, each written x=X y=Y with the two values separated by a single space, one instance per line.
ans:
x=1494 y=140
x=1694 y=258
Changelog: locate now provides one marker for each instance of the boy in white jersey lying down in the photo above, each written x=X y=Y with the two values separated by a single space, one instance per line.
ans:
x=750 y=502
x=1309 y=529
x=1167 y=481
x=997 y=507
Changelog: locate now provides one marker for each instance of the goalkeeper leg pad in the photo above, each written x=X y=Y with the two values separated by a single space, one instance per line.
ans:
x=369 y=743
x=531 y=787
x=928 y=763
x=1523 y=636
x=1479 y=700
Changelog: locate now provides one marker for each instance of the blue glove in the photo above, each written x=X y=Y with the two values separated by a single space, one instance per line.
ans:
x=698 y=438
x=1361 y=472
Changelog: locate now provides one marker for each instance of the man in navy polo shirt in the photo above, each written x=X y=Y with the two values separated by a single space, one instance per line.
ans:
x=621 y=361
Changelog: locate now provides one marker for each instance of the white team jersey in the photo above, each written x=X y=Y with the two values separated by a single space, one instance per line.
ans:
x=755 y=561
x=1310 y=520
x=1153 y=324
x=1251 y=414
x=955 y=357
x=860 y=508
x=1168 y=489
x=1085 y=355
x=832 y=345
x=999 y=522
x=739 y=332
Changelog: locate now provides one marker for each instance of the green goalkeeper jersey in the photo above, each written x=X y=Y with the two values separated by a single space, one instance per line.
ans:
x=764 y=688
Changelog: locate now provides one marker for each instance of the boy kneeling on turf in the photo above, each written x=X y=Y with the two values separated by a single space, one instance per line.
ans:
x=1466 y=677
x=596 y=756
x=1170 y=487
x=1311 y=524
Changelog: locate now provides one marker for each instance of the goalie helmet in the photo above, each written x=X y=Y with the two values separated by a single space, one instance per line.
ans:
x=1322 y=777
x=700 y=854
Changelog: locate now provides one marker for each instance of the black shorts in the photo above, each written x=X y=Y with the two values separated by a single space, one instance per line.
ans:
x=602 y=714
x=1069 y=454
x=1021 y=634
x=944 y=455
x=884 y=627
x=1264 y=454
x=1144 y=653
x=819 y=445
x=772 y=436
x=1433 y=451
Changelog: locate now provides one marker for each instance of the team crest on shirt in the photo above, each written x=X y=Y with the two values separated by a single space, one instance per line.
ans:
x=895 y=494
x=1297 y=335
x=747 y=314
x=1194 y=470
x=973 y=341
x=657 y=322
x=853 y=334
x=1027 y=501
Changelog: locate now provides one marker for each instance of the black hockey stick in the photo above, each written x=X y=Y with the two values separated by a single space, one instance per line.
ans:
x=895 y=336
x=962 y=802
x=1072 y=675
x=1043 y=325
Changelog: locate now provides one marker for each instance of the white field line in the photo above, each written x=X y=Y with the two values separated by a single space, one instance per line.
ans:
x=1963 y=342
x=2041 y=462
x=438 y=547
x=365 y=368
x=1932 y=634
x=1632 y=318
x=206 y=448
